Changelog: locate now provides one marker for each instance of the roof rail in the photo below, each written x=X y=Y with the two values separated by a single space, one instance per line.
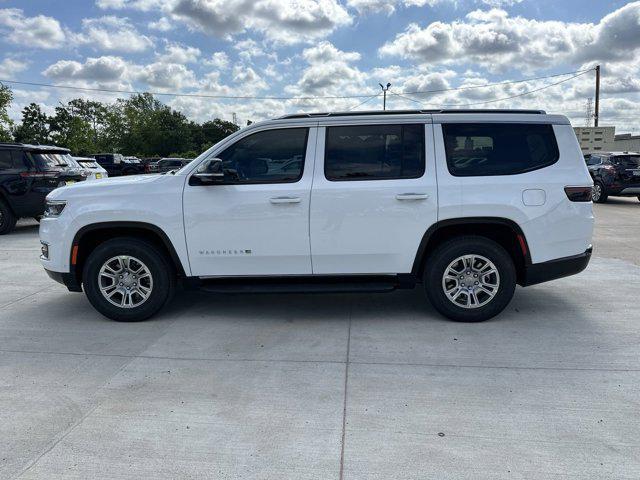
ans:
x=406 y=112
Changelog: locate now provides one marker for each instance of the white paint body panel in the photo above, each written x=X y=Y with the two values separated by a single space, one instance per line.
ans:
x=337 y=227
x=223 y=222
x=361 y=227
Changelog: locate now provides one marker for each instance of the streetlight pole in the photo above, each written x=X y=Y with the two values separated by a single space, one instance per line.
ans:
x=596 y=117
x=384 y=91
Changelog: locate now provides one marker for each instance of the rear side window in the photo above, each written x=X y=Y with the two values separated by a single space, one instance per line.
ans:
x=498 y=148
x=6 y=161
x=627 y=161
x=374 y=152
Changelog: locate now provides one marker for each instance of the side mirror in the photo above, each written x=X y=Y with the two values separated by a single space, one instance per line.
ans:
x=210 y=171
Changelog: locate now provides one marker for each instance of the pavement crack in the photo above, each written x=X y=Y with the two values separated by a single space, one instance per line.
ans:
x=346 y=387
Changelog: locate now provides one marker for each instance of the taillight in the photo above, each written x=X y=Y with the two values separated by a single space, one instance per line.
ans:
x=579 y=194
x=39 y=174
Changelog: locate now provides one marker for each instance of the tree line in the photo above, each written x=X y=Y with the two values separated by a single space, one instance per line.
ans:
x=140 y=125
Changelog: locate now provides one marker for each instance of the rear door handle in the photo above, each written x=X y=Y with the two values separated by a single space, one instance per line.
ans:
x=412 y=196
x=278 y=200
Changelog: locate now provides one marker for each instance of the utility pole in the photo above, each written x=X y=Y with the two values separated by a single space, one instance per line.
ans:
x=596 y=116
x=384 y=91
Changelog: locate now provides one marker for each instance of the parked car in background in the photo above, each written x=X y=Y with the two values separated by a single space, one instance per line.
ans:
x=466 y=204
x=149 y=164
x=27 y=174
x=168 y=164
x=92 y=168
x=614 y=174
x=116 y=165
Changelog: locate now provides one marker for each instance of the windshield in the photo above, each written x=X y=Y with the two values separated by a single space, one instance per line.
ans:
x=54 y=160
x=87 y=163
x=627 y=161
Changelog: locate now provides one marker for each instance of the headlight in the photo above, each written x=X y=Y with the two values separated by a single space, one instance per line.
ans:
x=54 y=208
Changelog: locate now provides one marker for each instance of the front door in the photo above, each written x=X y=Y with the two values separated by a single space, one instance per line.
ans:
x=374 y=196
x=255 y=222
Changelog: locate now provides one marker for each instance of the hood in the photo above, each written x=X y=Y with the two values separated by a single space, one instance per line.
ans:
x=109 y=186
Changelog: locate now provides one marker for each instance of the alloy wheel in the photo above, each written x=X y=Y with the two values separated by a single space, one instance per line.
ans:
x=125 y=281
x=471 y=281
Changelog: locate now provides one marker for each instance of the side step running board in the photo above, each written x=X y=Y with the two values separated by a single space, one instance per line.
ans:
x=302 y=285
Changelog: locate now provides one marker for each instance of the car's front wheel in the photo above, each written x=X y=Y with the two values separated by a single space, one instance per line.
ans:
x=128 y=279
x=470 y=279
x=7 y=218
x=599 y=194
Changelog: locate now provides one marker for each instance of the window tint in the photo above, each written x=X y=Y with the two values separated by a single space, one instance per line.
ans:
x=271 y=156
x=374 y=152
x=594 y=161
x=498 y=149
x=6 y=162
x=54 y=160
x=627 y=161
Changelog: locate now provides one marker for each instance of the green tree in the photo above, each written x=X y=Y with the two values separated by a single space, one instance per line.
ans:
x=71 y=131
x=6 y=124
x=34 y=127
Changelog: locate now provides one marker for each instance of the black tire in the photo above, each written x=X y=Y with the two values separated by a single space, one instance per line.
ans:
x=7 y=218
x=160 y=268
x=439 y=261
x=602 y=196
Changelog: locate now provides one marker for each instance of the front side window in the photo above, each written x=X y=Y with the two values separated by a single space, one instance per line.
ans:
x=270 y=156
x=498 y=148
x=374 y=152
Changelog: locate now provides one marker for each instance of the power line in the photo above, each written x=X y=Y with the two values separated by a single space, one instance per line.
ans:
x=509 y=82
x=362 y=103
x=529 y=92
x=258 y=97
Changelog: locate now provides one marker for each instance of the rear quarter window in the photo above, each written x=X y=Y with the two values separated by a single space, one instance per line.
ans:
x=498 y=148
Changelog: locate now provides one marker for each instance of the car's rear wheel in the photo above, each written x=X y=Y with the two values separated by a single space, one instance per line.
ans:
x=470 y=279
x=599 y=193
x=7 y=218
x=128 y=280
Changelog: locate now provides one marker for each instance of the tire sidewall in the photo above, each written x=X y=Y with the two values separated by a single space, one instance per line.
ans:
x=453 y=249
x=603 y=196
x=162 y=274
x=8 y=219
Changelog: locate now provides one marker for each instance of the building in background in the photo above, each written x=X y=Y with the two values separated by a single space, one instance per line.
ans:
x=626 y=143
x=596 y=139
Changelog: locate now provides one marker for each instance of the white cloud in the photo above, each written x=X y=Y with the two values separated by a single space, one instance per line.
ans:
x=282 y=21
x=111 y=33
x=162 y=25
x=218 y=60
x=101 y=69
x=10 y=66
x=494 y=39
x=388 y=6
x=176 y=53
x=169 y=76
x=39 y=31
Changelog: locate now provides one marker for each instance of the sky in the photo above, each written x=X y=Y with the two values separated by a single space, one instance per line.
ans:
x=316 y=49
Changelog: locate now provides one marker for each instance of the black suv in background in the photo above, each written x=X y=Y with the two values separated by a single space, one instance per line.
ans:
x=116 y=165
x=27 y=174
x=615 y=174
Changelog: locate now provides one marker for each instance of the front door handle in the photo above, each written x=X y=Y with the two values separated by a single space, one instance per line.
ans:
x=278 y=200
x=412 y=196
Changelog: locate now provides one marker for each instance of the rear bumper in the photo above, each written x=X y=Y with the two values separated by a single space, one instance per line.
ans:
x=69 y=280
x=554 y=269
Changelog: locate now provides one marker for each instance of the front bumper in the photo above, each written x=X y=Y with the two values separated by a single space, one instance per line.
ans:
x=554 y=269
x=69 y=280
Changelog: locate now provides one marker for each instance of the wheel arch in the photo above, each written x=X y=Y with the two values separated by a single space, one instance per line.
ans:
x=90 y=236
x=503 y=231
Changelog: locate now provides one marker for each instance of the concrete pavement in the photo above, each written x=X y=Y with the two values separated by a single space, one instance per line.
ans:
x=325 y=387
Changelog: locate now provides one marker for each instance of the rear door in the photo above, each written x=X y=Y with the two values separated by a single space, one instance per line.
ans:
x=374 y=195
x=17 y=184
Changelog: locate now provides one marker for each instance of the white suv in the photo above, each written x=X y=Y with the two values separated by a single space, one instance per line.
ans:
x=466 y=203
